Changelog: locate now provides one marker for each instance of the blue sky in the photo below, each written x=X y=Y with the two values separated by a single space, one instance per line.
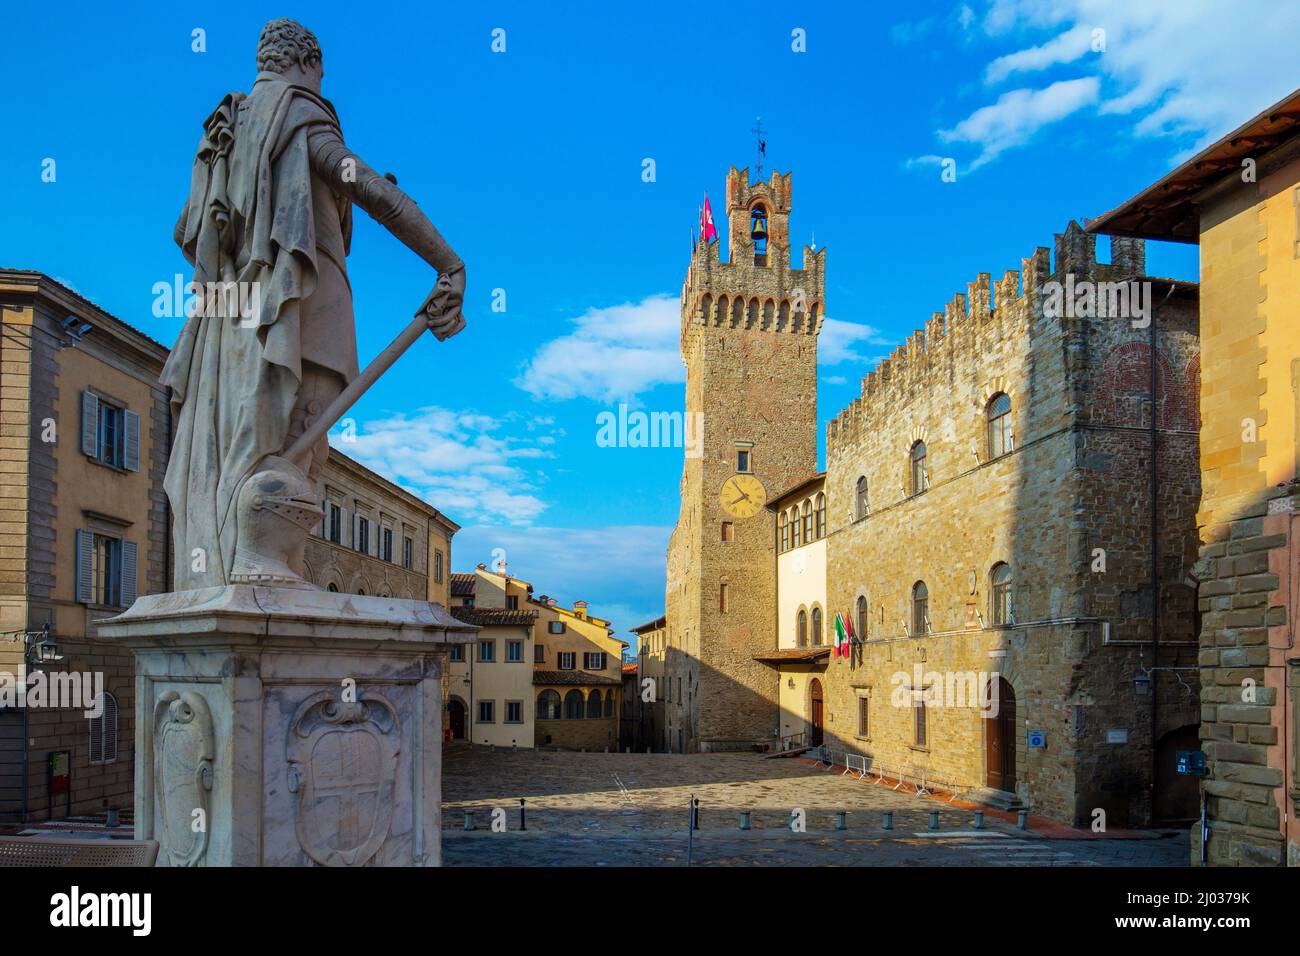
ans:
x=531 y=160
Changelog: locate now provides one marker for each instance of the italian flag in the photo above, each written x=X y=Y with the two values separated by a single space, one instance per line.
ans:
x=843 y=635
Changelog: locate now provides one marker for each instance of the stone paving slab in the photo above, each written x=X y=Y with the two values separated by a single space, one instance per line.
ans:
x=632 y=810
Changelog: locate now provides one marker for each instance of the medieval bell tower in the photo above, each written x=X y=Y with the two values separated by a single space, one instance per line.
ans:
x=749 y=341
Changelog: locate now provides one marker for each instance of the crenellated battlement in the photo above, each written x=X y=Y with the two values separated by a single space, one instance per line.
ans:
x=758 y=287
x=974 y=325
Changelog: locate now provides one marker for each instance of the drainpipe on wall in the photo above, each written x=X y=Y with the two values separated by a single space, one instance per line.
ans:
x=1155 y=552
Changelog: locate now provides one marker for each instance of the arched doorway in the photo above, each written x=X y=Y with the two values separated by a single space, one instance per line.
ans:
x=1000 y=738
x=815 y=720
x=1177 y=796
x=456 y=718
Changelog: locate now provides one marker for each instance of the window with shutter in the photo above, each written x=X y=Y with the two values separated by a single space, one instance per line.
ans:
x=90 y=424
x=103 y=731
x=131 y=441
x=127 y=587
x=85 y=564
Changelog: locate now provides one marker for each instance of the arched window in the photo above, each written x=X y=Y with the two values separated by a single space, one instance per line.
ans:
x=821 y=517
x=920 y=478
x=861 y=503
x=920 y=609
x=103 y=730
x=817 y=627
x=999 y=426
x=861 y=616
x=609 y=704
x=1000 y=594
x=574 y=705
x=548 y=705
x=794 y=527
x=801 y=633
x=785 y=533
x=807 y=521
x=594 y=704
x=332 y=587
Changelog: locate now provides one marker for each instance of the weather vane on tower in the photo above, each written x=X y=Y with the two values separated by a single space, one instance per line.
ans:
x=759 y=134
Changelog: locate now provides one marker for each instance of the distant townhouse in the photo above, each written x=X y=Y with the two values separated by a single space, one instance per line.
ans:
x=571 y=683
x=84 y=436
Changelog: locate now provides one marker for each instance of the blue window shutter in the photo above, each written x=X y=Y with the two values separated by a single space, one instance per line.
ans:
x=90 y=424
x=128 y=573
x=131 y=443
x=85 y=558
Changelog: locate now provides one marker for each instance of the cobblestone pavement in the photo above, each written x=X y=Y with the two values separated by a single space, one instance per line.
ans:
x=631 y=810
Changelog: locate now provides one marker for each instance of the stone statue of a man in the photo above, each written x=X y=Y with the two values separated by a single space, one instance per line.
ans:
x=270 y=214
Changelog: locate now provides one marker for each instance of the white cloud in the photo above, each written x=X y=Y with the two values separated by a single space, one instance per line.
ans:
x=929 y=159
x=910 y=32
x=1192 y=69
x=1017 y=115
x=618 y=570
x=612 y=354
x=837 y=341
x=460 y=462
x=1066 y=48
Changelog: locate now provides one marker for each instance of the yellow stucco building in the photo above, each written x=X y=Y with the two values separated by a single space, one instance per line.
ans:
x=569 y=677
x=1239 y=199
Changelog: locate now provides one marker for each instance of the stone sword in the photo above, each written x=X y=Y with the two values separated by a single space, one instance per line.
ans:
x=432 y=309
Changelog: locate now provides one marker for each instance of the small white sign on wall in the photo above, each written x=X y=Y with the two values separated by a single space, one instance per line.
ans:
x=1117 y=736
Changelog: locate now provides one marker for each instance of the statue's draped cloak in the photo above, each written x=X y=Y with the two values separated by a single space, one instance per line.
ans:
x=253 y=216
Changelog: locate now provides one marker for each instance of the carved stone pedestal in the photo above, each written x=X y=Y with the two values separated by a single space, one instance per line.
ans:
x=288 y=726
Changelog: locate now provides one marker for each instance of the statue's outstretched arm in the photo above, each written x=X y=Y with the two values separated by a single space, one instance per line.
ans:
x=397 y=212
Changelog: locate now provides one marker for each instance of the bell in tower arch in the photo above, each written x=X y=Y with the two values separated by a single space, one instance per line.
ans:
x=758 y=225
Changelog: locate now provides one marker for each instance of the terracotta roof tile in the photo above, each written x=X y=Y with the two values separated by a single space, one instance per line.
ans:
x=573 y=678
x=494 y=616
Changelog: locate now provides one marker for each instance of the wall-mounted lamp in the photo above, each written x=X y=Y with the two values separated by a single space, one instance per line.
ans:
x=42 y=649
x=76 y=330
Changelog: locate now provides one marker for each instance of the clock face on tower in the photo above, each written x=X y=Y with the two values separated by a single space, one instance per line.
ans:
x=742 y=496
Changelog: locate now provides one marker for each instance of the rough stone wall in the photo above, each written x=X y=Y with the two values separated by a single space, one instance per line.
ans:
x=1076 y=480
x=749 y=341
x=589 y=733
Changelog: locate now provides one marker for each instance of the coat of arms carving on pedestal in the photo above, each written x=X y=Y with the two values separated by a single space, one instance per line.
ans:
x=343 y=768
x=183 y=742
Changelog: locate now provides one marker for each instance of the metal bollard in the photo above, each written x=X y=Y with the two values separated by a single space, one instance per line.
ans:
x=695 y=813
x=934 y=819
x=839 y=821
x=979 y=819
x=523 y=823
x=1023 y=821
x=469 y=820
x=744 y=819
x=888 y=822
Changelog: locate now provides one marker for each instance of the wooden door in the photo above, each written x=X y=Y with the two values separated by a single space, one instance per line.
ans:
x=1000 y=740
x=815 y=692
x=456 y=718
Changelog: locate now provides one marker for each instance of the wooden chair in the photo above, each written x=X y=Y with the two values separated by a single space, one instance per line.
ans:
x=53 y=851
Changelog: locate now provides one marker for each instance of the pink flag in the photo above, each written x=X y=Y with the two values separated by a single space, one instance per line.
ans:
x=707 y=228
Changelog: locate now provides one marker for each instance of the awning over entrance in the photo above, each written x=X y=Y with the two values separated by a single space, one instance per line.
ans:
x=795 y=655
